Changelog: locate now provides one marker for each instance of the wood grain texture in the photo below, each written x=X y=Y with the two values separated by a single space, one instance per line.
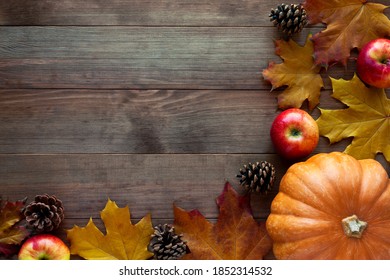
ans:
x=151 y=121
x=133 y=12
x=141 y=58
x=146 y=102
x=147 y=183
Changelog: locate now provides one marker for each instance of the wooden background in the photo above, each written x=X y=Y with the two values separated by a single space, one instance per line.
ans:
x=148 y=102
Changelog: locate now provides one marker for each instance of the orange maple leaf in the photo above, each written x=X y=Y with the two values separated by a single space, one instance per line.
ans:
x=298 y=72
x=350 y=24
x=235 y=236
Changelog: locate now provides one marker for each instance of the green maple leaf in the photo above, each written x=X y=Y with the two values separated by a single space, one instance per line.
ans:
x=367 y=119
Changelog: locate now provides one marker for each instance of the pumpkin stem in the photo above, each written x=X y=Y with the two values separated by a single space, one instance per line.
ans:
x=353 y=227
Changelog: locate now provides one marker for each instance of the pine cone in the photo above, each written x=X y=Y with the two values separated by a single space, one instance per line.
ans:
x=289 y=18
x=45 y=213
x=259 y=177
x=166 y=244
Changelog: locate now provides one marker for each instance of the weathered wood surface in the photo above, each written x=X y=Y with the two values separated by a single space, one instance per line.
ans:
x=147 y=183
x=152 y=121
x=141 y=58
x=148 y=102
x=135 y=12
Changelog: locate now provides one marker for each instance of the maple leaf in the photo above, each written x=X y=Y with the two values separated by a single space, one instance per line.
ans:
x=235 y=236
x=298 y=72
x=123 y=240
x=350 y=24
x=367 y=119
x=11 y=234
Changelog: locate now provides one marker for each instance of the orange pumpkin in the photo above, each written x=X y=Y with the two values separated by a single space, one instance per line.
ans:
x=332 y=206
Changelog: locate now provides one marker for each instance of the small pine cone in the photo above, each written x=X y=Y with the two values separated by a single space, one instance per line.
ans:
x=45 y=213
x=258 y=177
x=166 y=244
x=289 y=18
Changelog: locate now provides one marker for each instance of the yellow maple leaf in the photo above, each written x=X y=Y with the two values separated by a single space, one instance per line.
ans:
x=123 y=240
x=367 y=119
x=11 y=234
x=298 y=72
x=350 y=24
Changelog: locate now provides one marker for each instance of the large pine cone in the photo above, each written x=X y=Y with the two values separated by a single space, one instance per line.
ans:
x=166 y=244
x=289 y=18
x=45 y=213
x=257 y=177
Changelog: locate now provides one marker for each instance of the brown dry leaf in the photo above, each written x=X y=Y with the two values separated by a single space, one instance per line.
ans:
x=367 y=119
x=350 y=24
x=235 y=236
x=298 y=72
x=123 y=240
x=10 y=233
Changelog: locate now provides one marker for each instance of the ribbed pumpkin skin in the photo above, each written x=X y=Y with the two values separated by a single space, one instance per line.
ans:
x=314 y=196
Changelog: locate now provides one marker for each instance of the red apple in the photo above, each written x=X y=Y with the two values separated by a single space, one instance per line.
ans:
x=373 y=63
x=294 y=134
x=44 y=247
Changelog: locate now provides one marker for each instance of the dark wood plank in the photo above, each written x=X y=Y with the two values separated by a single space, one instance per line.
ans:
x=153 y=121
x=148 y=102
x=136 y=12
x=140 y=58
x=147 y=183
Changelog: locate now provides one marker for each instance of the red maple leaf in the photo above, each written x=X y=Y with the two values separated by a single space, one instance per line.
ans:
x=235 y=236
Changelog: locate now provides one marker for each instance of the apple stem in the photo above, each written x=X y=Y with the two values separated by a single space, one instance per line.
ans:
x=43 y=256
x=295 y=132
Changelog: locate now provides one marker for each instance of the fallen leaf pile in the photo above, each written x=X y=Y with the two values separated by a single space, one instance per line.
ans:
x=236 y=235
x=349 y=24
